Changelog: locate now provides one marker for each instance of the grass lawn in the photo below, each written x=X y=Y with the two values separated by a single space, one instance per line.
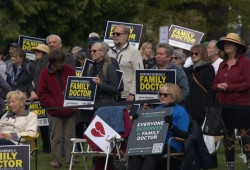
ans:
x=44 y=160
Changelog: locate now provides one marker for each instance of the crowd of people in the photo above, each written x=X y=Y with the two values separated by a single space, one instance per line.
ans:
x=206 y=74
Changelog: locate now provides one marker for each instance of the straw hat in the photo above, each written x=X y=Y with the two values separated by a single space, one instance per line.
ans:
x=235 y=38
x=42 y=47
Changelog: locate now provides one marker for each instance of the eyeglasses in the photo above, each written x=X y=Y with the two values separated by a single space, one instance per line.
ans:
x=175 y=58
x=94 y=51
x=164 y=94
x=118 y=33
x=196 y=53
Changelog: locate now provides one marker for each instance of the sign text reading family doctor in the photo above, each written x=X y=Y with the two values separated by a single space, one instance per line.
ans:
x=150 y=81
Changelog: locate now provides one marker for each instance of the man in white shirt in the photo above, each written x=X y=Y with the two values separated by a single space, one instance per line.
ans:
x=129 y=60
x=214 y=54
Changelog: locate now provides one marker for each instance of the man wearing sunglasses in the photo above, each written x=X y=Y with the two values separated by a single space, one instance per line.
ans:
x=129 y=60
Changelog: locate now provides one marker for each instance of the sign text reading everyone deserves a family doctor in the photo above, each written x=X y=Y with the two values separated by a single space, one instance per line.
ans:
x=148 y=132
x=80 y=91
x=148 y=82
x=184 y=38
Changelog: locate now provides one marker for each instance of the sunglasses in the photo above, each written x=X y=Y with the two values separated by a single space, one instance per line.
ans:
x=118 y=33
x=196 y=53
x=94 y=51
x=164 y=94
x=175 y=58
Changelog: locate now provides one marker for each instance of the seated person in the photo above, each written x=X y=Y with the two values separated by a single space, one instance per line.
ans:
x=17 y=121
x=169 y=96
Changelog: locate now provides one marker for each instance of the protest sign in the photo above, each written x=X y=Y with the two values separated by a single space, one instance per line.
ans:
x=80 y=91
x=148 y=132
x=78 y=71
x=132 y=110
x=184 y=38
x=14 y=157
x=163 y=37
x=148 y=82
x=28 y=43
x=119 y=74
x=87 y=64
x=99 y=132
x=36 y=108
x=134 y=36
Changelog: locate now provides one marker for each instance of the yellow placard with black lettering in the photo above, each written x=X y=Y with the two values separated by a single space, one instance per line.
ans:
x=14 y=157
x=182 y=37
x=80 y=91
x=148 y=82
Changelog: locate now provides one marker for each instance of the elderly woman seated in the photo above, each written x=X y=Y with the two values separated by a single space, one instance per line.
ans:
x=169 y=96
x=17 y=121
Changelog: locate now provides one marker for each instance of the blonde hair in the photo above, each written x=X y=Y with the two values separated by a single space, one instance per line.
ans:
x=18 y=94
x=174 y=90
x=144 y=46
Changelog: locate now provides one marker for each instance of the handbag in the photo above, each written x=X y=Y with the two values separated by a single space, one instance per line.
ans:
x=213 y=124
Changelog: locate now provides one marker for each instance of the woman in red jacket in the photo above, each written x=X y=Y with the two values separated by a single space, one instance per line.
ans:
x=232 y=84
x=51 y=87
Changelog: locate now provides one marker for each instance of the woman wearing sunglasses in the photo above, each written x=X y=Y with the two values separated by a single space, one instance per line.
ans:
x=200 y=78
x=178 y=57
x=169 y=96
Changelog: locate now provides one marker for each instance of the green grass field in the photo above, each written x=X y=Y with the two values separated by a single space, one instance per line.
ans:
x=44 y=160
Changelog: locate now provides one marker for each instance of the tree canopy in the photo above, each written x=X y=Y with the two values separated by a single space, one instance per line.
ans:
x=73 y=20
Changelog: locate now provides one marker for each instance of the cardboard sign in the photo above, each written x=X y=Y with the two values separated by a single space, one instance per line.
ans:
x=15 y=157
x=182 y=37
x=148 y=82
x=87 y=63
x=79 y=71
x=148 y=132
x=80 y=91
x=163 y=37
x=99 y=131
x=134 y=36
x=28 y=43
x=41 y=112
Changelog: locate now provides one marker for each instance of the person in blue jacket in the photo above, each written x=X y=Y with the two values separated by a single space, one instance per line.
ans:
x=169 y=96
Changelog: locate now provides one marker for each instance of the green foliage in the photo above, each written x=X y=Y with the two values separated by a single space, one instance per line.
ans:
x=73 y=20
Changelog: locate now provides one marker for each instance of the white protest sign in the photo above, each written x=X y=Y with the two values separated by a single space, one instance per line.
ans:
x=99 y=132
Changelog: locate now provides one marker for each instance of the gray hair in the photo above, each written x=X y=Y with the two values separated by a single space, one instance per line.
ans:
x=104 y=47
x=180 y=54
x=168 y=48
x=18 y=94
x=53 y=36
